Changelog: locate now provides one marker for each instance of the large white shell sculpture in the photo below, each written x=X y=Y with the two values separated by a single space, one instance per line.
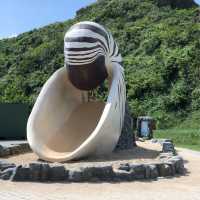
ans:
x=64 y=125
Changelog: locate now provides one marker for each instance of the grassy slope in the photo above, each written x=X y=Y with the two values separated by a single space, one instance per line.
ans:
x=160 y=46
x=187 y=138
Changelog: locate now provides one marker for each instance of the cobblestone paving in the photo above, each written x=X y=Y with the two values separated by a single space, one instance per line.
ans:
x=180 y=188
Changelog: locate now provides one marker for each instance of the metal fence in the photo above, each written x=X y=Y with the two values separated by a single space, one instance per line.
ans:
x=13 y=120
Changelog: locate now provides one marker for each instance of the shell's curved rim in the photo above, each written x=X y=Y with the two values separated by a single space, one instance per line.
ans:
x=63 y=156
x=114 y=108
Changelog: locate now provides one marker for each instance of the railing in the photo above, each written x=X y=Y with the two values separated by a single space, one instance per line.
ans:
x=13 y=119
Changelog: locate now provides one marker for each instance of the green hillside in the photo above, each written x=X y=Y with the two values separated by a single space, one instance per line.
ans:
x=160 y=44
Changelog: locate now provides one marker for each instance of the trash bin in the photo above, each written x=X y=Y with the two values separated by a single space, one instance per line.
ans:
x=145 y=127
x=13 y=120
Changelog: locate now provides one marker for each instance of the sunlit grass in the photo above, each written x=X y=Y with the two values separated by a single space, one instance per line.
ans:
x=187 y=138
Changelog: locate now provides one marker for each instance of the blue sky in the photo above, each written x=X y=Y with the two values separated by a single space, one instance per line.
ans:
x=18 y=16
x=197 y=1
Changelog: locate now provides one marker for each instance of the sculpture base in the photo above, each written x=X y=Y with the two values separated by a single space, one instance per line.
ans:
x=143 y=162
x=127 y=138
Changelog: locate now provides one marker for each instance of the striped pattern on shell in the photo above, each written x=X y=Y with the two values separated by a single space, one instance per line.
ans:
x=85 y=41
x=89 y=51
x=88 y=47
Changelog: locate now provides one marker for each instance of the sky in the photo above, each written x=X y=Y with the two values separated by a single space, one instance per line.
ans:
x=197 y=1
x=18 y=16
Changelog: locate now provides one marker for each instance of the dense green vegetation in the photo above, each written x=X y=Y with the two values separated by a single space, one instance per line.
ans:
x=160 y=44
x=187 y=138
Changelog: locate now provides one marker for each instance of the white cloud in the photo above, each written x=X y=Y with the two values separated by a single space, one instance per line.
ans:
x=10 y=36
x=13 y=35
x=197 y=1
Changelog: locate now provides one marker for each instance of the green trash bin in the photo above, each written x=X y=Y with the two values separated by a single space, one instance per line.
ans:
x=13 y=120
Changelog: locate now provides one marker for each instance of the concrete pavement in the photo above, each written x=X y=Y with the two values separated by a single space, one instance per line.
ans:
x=179 y=188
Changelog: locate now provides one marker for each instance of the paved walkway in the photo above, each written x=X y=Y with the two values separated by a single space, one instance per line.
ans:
x=180 y=188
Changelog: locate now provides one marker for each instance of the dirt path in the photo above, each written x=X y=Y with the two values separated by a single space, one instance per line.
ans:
x=179 y=188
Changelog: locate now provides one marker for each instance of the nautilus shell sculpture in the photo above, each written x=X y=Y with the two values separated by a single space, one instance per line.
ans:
x=64 y=124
